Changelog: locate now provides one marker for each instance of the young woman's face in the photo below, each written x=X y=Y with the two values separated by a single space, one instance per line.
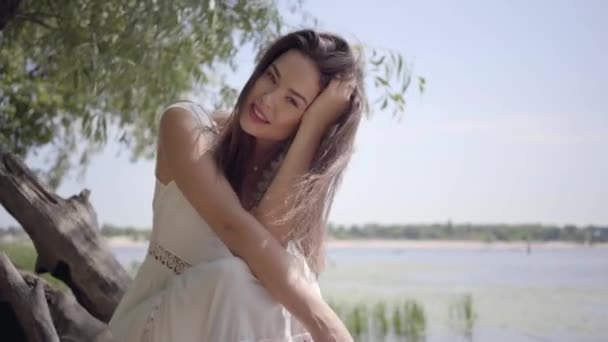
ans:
x=277 y=100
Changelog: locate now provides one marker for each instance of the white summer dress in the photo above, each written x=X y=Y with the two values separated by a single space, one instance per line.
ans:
x=190 y=287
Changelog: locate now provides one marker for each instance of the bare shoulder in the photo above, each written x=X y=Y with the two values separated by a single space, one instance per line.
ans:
x=179 y=132
x=176 y=118
x=190 y=164
x=220 y=117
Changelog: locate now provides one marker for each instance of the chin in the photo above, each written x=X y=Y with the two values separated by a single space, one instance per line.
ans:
x=259 y=132
x=247 y=126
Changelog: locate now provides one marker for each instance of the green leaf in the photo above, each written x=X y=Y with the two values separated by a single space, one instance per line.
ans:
x=113 y=58
x=382 y=81
x=421 y=84
x=378 y=61
x=400 y=65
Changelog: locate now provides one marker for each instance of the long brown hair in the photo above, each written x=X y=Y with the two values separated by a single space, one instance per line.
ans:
x=314 y=192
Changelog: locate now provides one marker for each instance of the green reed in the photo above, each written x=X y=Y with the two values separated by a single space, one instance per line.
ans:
x=414 y=321
x=462 y=315
x=356 y=320
x=379 y=321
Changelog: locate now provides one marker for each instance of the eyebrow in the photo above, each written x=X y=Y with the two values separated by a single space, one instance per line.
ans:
x=276 y=71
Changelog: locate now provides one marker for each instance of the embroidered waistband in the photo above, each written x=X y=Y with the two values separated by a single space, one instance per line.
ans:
x=165 y=257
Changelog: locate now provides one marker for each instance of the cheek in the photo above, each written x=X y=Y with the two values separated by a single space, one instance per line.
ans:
x=256 y=90
x=289 y=123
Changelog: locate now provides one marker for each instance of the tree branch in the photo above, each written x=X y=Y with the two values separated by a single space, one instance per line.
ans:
x=29 y=304
x=8 y=9
x=68 y=318
x=66 y=236
x=34 y=19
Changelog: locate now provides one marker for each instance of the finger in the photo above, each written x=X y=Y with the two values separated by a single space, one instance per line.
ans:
x=342 y=87
x=334 y=84
x=348 y=83
x=349 y=87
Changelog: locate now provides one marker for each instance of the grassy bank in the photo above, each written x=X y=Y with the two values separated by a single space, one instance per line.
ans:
x=23 y=255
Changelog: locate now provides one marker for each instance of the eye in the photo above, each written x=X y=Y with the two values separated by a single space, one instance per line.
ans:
x=271 y=76
x=292 y=101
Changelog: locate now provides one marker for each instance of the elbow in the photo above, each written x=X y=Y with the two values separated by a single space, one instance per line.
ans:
x=243 y=234
x=276 y=229
x=278 y=232
x=233 y=235
x=281 y=237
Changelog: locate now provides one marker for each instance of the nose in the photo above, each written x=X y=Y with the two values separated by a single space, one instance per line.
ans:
x=267 y=99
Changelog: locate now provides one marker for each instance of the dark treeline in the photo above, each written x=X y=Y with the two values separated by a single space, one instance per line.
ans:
x=439 y=231
x=109 y=230
x=475 y=232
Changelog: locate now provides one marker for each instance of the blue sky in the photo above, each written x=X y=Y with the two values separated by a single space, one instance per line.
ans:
x=513 y=126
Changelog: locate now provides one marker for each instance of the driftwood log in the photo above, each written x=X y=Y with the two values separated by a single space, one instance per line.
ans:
x=29 y=303
x=42 y=312
x=66 y=236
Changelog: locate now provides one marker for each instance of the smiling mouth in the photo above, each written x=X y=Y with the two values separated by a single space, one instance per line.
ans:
x=257 y=115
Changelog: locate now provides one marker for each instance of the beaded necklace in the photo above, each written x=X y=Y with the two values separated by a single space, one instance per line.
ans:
x=265 y=180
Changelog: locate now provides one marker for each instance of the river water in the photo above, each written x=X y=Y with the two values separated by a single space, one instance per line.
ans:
x=550 y=294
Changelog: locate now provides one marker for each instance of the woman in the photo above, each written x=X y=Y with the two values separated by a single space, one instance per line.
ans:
x=241 y=203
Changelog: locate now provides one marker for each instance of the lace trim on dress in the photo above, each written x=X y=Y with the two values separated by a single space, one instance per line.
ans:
x=165 y=257
x=147 y=334
x=305 y=337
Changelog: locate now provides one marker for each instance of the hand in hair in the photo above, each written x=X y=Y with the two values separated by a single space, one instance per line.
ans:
x=330 y=104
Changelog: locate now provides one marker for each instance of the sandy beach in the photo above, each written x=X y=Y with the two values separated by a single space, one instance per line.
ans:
x=126 y=242
x=447 y=244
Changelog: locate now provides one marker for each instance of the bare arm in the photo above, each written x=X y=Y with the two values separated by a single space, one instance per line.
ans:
x=324 y=110
x=296 y=163
x=186 y=149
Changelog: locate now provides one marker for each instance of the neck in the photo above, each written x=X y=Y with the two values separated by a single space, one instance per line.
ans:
x=263 y=152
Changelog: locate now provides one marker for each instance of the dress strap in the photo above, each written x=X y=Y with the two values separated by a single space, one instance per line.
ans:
x=203 y=116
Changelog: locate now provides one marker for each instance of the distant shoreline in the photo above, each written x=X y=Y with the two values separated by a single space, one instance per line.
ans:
x=127 y=242
x=456 y=244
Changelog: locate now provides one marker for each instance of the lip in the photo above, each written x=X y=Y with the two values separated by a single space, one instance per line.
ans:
x=256 y=114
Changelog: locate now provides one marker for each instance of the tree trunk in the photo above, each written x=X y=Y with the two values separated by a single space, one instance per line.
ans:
x=66 y=236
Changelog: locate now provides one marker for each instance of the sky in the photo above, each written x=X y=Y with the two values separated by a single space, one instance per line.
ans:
x=512 y=127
